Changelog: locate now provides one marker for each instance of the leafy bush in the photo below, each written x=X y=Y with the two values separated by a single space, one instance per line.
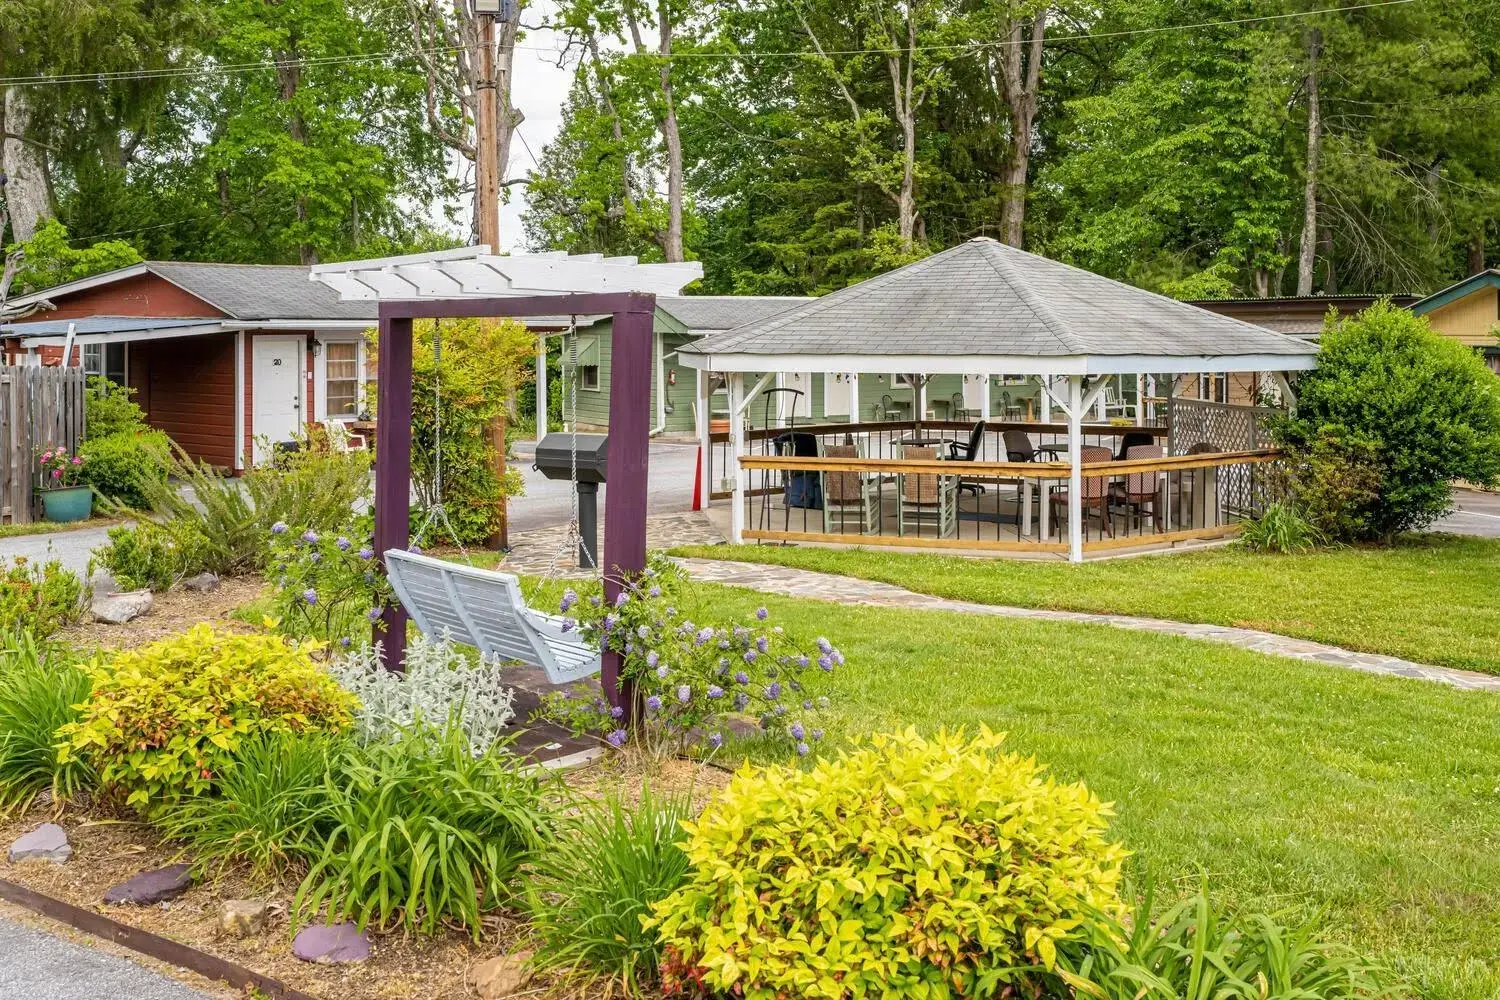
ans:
x=39 y=687
x=141 y=557
x=1334 y=481
x=272 y=809
x=164 y=719
x=586 y=894
x=328 y=585
x=226 y=525
x=122 y=467
x=690 y=675
x=425 y=833
x=39 y=598
x=110 y=409
x=911 y=867
x=1425 y=406
x=441 y=686
x=480 y=369
x=1193 y=951
x=1281 y=528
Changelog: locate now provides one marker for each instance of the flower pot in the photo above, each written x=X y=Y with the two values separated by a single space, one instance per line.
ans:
x=69 y=503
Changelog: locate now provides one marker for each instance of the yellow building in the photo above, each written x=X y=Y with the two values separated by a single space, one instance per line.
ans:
x=1469 y=312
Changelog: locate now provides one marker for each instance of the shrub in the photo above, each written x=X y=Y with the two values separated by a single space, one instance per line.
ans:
x=122 y=467
x=39 y=687
x=39 y=598
x=1281 y=528
x=586 y=894
x=141 y=557
x=425 y=833
x=1425 y=406
x=328 y=585
x=164 y=719
x=272 y=809
x=1193 y=951
x=314 y=487
x=689 y=675
x=911 y=867
x=441 y=686
x=1334 y=482
x=110 y=409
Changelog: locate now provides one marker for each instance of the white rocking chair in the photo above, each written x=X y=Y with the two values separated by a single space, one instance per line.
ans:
x=485 y=609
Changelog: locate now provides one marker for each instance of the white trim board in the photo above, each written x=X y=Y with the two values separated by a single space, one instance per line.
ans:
x=949 y=364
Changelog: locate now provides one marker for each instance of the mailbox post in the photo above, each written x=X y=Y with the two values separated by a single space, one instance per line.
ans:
x=555 y=455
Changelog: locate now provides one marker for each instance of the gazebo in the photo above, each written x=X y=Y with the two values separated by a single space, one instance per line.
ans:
x=979 y=310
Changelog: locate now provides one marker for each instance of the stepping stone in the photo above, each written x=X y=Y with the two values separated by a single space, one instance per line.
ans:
x=152 y=887
x=335 y=944
x=48 y=842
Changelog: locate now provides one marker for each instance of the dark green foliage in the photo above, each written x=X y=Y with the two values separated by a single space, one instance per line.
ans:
x=424 y=833
x=122 y=468
x=1193 y=951
x=141 y=557
x=110 y=409
x=39 y=685
x=1424 y=407
x=587 y=892
x=1334 y=480
x=272 y=809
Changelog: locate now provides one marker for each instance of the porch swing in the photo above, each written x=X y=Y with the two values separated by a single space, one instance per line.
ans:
x=485 y=608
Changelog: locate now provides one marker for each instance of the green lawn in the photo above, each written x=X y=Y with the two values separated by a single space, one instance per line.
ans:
x=1291 y=785
x=1434 y=599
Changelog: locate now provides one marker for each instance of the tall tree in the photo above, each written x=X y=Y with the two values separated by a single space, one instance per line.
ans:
x=1307 y=257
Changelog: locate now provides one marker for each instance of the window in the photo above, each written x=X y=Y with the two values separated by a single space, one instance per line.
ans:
x=341 y=378
x=105 y=359
x=588 y=377
x=1214 y=387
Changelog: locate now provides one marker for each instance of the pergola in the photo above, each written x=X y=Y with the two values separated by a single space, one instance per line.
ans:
x=985 y=308
x=453 y=285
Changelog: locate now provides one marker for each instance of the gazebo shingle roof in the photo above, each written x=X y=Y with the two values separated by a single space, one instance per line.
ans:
x=983 y=298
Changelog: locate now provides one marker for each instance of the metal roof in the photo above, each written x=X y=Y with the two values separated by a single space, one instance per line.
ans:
x=1484 y=279
x=983 y=300
x=99 y=324
x=701 y=313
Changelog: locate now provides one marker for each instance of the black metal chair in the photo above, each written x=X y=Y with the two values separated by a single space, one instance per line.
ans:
x=968 y=453
x=1018 y=448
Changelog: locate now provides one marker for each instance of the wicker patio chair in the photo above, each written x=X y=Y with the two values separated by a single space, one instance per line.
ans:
x=1140 y=489
x=927 y=497
x=846 y=493
x=1095 y=490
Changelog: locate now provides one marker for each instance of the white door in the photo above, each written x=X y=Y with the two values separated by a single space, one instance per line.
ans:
x=276 y=384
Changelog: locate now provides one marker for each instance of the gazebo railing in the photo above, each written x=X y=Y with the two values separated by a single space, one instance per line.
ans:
x=884 y=440
x=1001 y=506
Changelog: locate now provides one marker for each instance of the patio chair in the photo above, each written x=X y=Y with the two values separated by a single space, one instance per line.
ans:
x=957 y=408
x=926 y=497
x=968 y=453
x=888 y=408
x=1018 y=448
x=846 y=493
x=1140 y=489
x=340 y=438
x=1132 y=439
x=1095 y=490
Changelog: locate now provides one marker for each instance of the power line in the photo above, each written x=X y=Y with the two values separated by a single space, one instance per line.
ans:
x=229 y=69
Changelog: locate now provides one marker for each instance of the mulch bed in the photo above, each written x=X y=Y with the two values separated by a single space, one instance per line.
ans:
x=172 y=613
x=110 y=847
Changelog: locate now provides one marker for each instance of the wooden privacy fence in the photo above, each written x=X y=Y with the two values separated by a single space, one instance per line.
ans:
x=39 y=408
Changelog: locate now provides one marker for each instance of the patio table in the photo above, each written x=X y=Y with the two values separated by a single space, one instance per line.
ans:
x=927 y=442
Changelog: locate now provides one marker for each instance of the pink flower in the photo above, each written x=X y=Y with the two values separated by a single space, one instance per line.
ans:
x=77 y=459
x=46 y=456
x=56 y=473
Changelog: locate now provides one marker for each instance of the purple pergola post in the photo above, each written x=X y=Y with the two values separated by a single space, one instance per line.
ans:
x=629 y=440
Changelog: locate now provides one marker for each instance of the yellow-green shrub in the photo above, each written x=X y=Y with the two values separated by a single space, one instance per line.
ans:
x=161 y=720
x=913 y=867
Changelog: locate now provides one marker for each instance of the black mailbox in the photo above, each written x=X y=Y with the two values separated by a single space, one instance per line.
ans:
x=554 y=456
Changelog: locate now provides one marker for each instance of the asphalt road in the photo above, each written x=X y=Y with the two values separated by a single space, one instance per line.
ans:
x=37 y=966
x=1477 y=514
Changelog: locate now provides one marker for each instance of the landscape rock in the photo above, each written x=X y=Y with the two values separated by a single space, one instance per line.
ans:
x=102 y=583
x=203 y=583
x=501 y=976
x=243 y=917
x=152 y=887
x=48 y=842
x=335 y=944
x=117 y=609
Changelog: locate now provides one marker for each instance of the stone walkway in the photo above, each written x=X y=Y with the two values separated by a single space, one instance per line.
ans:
x=789 y=582
x=536 y=550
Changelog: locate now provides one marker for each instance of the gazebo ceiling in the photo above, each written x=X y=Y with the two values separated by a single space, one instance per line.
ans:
x=985 y=306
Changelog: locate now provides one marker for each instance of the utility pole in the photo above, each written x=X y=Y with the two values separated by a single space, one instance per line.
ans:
x=487 y=168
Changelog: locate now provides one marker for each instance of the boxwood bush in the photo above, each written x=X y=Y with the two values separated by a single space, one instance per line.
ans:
x=914 y=866
x=38 y=597
x=162 y=720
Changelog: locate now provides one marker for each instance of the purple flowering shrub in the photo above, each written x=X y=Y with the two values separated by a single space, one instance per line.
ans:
x=328 y=585
x=692 y=676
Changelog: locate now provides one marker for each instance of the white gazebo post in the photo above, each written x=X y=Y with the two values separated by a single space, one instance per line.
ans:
x=984 y=396
x=732 y=463
x=701 y=424
x=541 y=386
x=1075 y=473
